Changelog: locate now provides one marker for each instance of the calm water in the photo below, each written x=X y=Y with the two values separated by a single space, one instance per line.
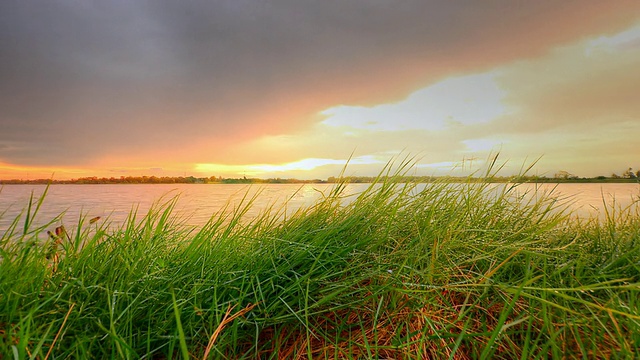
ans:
x=199 y=202
x=588 y=200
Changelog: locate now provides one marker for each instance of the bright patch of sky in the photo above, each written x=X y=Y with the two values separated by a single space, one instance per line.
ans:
x=301 y=165
x=444 y=165
x=476 y=145
x=463 y=100
x=627 y=39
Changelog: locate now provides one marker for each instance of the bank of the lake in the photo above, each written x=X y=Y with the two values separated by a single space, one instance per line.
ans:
x=400 y=271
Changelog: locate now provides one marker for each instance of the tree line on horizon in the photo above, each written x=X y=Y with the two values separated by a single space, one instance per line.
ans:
x=561 y=176
x=161 y=180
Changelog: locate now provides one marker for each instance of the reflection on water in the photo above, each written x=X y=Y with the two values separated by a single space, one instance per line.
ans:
x=199 y=202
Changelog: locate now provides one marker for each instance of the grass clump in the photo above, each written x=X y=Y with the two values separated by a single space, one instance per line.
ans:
x=472 y=270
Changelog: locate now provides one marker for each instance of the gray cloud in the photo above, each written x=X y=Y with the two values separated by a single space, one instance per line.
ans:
x=82 y=80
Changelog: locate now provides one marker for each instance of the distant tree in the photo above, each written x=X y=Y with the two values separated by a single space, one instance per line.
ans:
x=629 y=174
x=564 y=175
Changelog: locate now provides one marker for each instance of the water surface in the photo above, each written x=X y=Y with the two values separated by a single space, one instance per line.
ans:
x=198 y=202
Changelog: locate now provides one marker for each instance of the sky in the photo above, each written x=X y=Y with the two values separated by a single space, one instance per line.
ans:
x=298 y=88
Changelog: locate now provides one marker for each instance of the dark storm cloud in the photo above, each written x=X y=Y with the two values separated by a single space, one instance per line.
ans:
x=79 y=80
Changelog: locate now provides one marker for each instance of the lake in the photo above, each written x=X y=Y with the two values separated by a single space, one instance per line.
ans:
x=199 y=201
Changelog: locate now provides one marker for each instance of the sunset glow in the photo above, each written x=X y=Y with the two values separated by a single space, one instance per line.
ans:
x=302 y=165
x=296 y=90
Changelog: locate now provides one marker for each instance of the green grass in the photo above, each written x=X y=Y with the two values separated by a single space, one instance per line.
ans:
x=452 y=271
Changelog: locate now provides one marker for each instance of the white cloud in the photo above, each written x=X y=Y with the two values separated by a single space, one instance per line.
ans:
x=463 y=100
x=629 y=38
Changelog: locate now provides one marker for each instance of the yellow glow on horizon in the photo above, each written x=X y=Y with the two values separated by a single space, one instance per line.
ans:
x=12 y=171
x=444 y=165
x=308 y=164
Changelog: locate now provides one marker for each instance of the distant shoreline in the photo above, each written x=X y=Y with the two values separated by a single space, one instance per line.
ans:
x=152 y=180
